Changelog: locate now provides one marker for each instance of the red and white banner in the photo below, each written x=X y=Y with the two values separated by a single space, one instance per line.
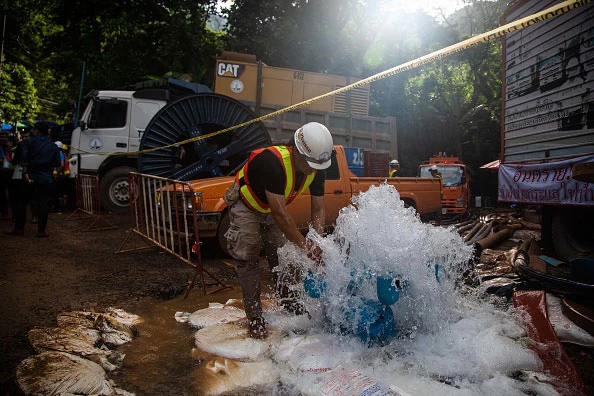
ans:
x=547 y=183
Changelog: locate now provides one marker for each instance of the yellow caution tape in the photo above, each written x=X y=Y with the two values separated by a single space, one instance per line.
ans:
x=501 y=31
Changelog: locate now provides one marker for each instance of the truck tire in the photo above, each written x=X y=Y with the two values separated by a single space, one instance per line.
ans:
x=223 y=227
x=572 y=232
x=115 y=192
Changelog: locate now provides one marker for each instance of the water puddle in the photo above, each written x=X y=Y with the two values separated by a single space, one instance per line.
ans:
x=160 y=361
x=388 y=314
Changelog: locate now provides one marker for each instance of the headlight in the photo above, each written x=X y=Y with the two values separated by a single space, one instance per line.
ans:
x=191 y=200
x=196 y=201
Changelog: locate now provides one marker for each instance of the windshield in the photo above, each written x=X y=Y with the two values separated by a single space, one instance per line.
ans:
x=450 y=174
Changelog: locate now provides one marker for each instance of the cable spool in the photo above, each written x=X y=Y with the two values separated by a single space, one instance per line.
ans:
x=194 y=116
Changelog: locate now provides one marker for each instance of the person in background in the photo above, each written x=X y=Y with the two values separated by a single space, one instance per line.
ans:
x=435 y=172
x=61 y=175
x=39 y=158
x=394 y=166
x=270 y=180
x=6 y=169
x=18 y=189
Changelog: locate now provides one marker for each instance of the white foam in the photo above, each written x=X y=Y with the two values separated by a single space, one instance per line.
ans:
x=450 y=342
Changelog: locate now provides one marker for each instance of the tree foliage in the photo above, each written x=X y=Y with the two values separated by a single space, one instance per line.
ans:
x=121 y=42
x=18 y=97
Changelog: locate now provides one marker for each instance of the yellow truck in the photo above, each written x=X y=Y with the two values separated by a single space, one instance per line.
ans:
x=424 y=194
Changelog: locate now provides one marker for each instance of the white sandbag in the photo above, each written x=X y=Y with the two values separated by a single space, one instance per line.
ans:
x=77 y=319
x=216 y=313
x=113 y=332
x=347 y=382
x=116 y=325
x=566 y=330
x=221 y=375
x=232 y=341
x=310 y=354
x=123 y=317
x=87 y=319
x=76 y=340
x=56 y=373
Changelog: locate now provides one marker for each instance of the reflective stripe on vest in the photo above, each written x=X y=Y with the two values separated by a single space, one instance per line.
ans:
x=284 y=154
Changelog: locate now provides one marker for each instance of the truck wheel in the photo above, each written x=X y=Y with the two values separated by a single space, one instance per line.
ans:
x=115 y=192
x=223 y=227
x=572 y=232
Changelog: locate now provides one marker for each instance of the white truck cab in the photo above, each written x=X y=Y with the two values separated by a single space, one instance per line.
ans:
x=113 y=122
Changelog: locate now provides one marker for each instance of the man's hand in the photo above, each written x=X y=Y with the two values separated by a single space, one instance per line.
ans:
x=314 y=253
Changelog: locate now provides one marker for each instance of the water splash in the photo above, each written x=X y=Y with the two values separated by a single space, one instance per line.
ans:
x=448 y=341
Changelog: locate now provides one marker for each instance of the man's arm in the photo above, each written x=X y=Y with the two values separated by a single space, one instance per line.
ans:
x=318 y=214
x=283 y=219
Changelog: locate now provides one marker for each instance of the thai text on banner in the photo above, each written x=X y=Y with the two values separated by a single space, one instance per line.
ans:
x=548 y=183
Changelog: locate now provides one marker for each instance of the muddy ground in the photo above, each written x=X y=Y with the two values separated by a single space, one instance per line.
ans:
x=73 y=270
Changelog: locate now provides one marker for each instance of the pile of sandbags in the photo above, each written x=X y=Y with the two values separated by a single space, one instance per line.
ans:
x=73 y=357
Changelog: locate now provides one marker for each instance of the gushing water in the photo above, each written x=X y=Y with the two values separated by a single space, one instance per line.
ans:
x=445 y=341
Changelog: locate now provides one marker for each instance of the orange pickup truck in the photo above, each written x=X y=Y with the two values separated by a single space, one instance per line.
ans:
x=424 y=194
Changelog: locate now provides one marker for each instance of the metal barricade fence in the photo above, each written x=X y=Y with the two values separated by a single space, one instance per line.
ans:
x=88 y=202
x=163 y=214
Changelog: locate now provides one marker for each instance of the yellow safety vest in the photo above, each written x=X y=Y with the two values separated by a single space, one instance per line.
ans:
x=393 y=172
x=285 y=155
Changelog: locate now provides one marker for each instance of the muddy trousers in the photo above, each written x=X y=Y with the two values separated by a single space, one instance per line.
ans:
x=248 y=230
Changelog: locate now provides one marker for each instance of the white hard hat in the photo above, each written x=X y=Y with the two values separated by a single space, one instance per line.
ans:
x=433 y=168
x=58 y=143
x=394 y=163
x=314 y=141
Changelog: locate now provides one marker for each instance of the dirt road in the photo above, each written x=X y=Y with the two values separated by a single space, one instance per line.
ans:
x=73 y=270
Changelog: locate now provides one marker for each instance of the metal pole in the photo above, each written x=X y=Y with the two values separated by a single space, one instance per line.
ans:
x=82 y=81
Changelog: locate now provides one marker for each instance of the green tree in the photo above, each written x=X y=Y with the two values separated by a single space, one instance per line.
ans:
x=29 y=25
x=126 y=42
x=18 y=96
x=121 y=42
